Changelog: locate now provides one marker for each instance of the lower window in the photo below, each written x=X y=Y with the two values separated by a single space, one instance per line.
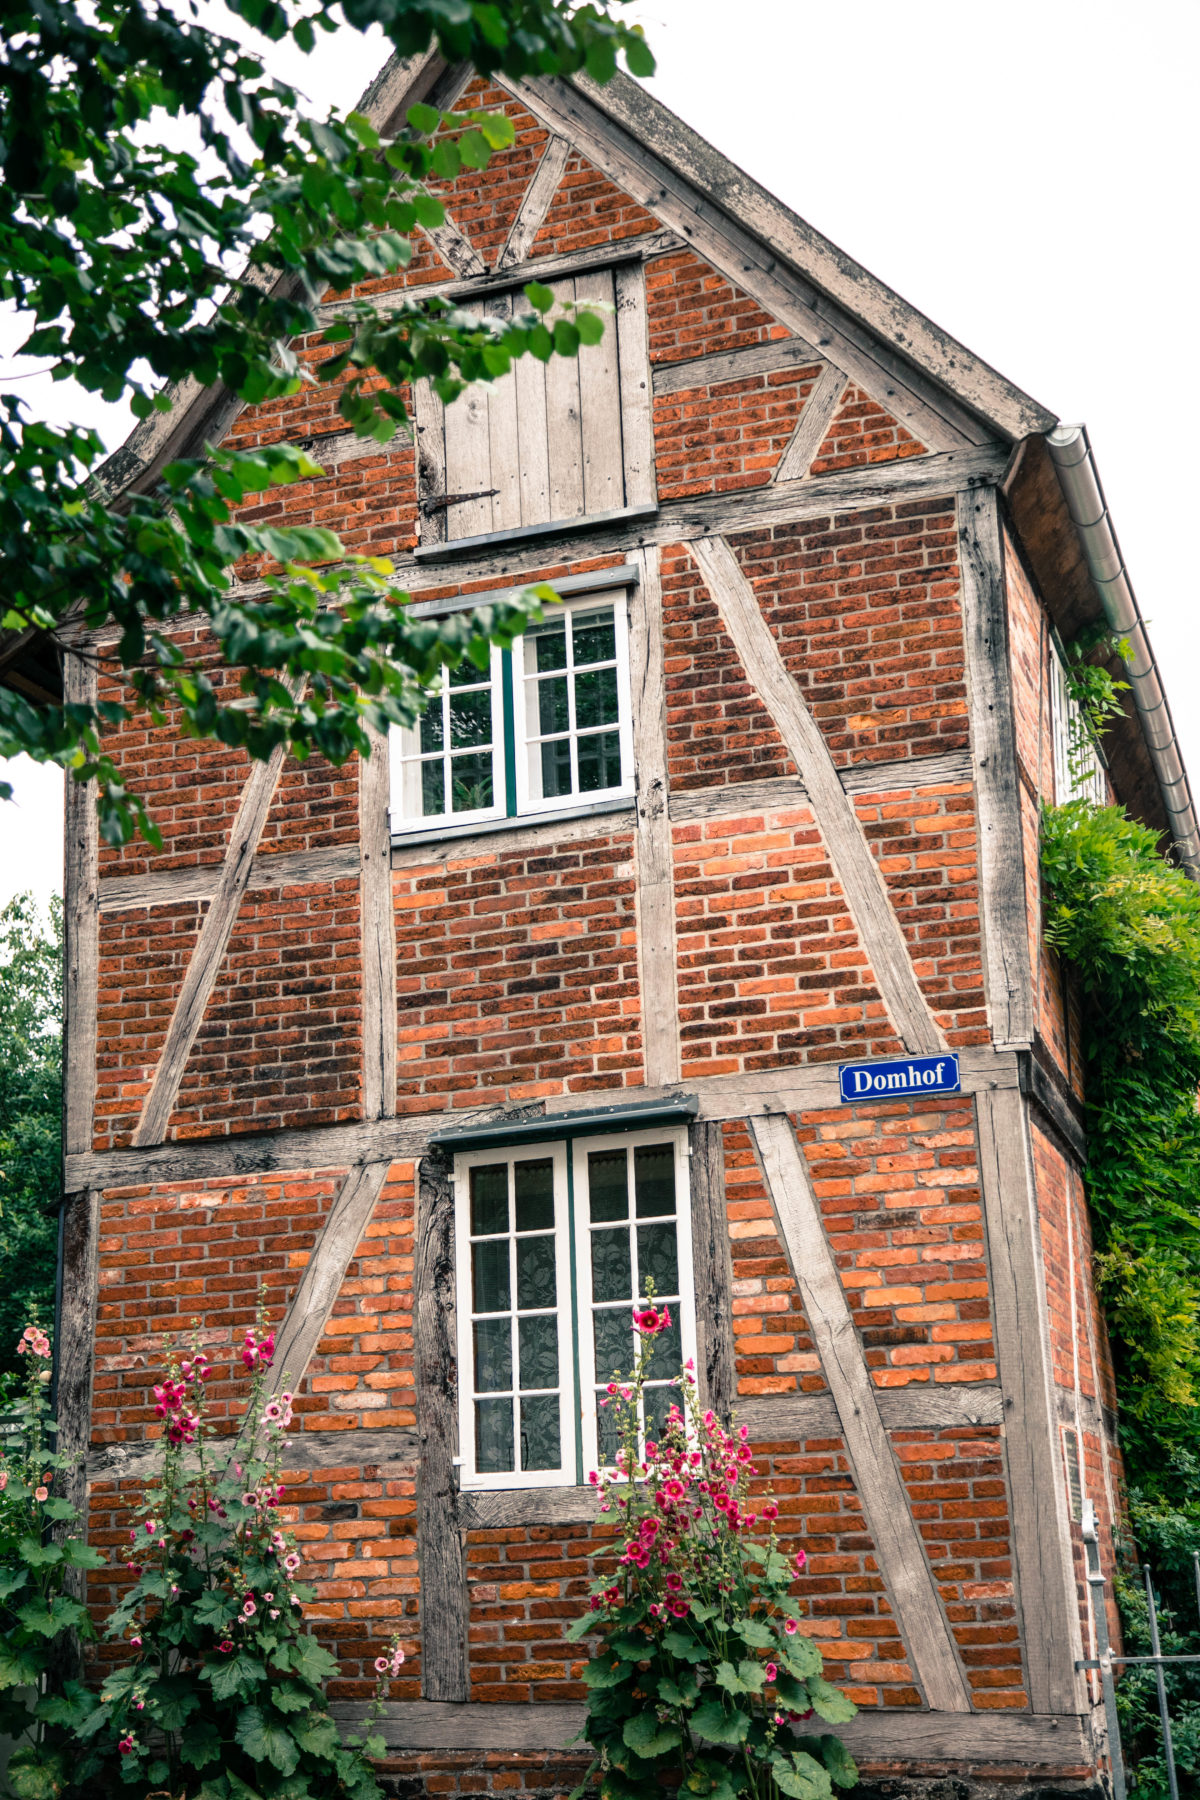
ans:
x=554 y=1244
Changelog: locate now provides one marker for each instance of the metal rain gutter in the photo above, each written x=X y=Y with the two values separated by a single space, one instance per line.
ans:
x=1080 y=481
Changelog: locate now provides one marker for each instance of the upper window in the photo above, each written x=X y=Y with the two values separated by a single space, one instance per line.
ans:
x=554 y=1245
x=1078 y=769
x=548 y=726
x=548 y=442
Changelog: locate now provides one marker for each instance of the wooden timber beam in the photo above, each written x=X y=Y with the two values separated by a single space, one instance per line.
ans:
x=455 y=249
x=733 y=365
x=655 y=888
x=712 y=1270
x=209 y=953
x=535 y=203
x=81 y=926
x=378 y=924
x=1041 y=1530
x=1003 y=898
x=797 y=1089
x=854 y=866
x=899 y=1549
x=815 y=419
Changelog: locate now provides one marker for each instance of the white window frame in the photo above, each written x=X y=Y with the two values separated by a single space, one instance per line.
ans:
x=1066 y=719
x=576 y=1361
x=469 y=1476
x=405 y=755
x=678 y=1137
x=525 y=721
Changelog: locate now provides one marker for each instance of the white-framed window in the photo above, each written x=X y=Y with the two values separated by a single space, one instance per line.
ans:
x=548 y=726
x=1078 y=769
x=554 y=1243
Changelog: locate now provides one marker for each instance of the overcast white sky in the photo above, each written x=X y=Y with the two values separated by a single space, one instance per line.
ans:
x=1025 y=174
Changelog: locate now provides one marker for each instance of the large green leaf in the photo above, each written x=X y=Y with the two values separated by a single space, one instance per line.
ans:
x=718 y=1725
x=200 y=1744
x=829 y=1703
x=36 y=1774
x=603 y=1672
x=800 y=1776
x=747 y=1678
x=267 y=1740
x=648 y=1737
x=236 y=1675
x=62 y=1614
x=842 y=1767
x=802 y=1657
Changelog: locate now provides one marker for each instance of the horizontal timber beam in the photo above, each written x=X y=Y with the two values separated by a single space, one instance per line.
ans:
x=734 y=365
x=964 y=1739
x=387 y=1453
x=173 y=887
x=405 y=1139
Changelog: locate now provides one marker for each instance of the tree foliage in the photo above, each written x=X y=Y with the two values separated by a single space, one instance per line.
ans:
x=30 y=1114
x=147 y=256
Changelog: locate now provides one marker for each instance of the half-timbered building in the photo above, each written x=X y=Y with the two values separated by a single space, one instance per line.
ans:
x=697 y=939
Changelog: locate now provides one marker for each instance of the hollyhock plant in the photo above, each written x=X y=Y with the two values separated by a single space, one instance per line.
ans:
x=701 y=1669
x=219 y=1687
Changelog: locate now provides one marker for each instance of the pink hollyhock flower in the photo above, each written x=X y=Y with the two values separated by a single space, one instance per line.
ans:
x=226 y=1645
x=772 y=1671
x=274 y=1612
x=291 y=1561
x=801 y=1559
x=41 y=1493
x=770 y=1510
x=791 y=1627
x=381 y=1664
x=125 y=1745
x=249 y=1610
x=397 y=1660
x=3 y=1480
x=678 y=1608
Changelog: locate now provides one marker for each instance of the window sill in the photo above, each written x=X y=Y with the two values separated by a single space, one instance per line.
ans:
x=520 y=534
x=525 y=821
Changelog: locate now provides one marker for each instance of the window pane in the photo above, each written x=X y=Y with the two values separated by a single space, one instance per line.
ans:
x=608 y=1432
x=539 y=1433
x=654 y=1180
x=433 y=789
x=539 y=1352
x=471 y=782
x=489 y=1199
x=554 y=762
x=493 y=1355
x=594 y=637
x=431 y=726
x=607 y=1194
x=599 y=762
x=535 y=1272
x=657 y=1260
x=595 y=698
x=553 y=712
x=489 y=1270
x=467 y=675
x=656 y=1404
x=533 y=1189
x=666 y=1358
x=614 y=1343
x=471 y=717
x=612 y=1277
x=546 y=646
x=493 y=1436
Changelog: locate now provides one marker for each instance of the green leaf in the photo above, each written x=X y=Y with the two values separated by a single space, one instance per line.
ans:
x=264 y=1740
x=683 y=1647
x=754 y=1634
x=35 y=1774
x=291 y=1697
x=200 y=1744
x=603 y=1672
x=800 y=1776
x=829 y=1703
x=581 y=1626
x=425 y=119
x=62 y=1614
x=317 y=1734
x=712 y=1722
x=38 y=1555
x=11 y=1580
x=645 y=1735
x=629 y=1647
x=679 y=1690
x=843 y=1769
x=539 y=297
x=234 y=1675
x=83 y=1556
x=802 y=1657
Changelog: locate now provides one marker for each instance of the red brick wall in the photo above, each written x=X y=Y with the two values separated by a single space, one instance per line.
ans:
x=862 y=432
x=727 y=436
x=518 y=973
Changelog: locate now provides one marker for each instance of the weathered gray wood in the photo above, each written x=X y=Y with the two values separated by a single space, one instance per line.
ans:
x=814 y=421
x=712 y=1270
x=840 y=287
x=378 y=934
x=734 y=365
x=886 y=1736
x=468 y=464
x=527 y=1506
x=633 y=350
x=854 y=866
x=505 y=439
x=444 y=1612
x=417 y=848
x=539 y=268
x=1070 y=1407
x=533 y=470
x=1002 y=892
x=930 y=412
x=535 y=204
x=591 y=581
x=75 y=1334
x=270 y=869
x=306 y=1318
x=600 y=399
x=799 y=1416
x=455 y=249
x=983 y=1070
x=430 y=422
x=81 y=932
x=736 y=798
x=390 y=1453
x=1056 y=1104
x=899 y=1549
x=1041 y=1533
x=564 y=423
x=655 y=895
x=705 y=515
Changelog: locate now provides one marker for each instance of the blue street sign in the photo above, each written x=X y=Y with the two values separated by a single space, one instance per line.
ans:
x=910 y=1075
